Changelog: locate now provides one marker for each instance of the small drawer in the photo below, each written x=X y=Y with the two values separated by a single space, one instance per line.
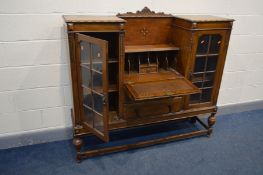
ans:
x=153 y=107
x=148 y=68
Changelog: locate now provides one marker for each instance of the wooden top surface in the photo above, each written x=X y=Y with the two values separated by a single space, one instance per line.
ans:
x=89 y=18
x=203 y=18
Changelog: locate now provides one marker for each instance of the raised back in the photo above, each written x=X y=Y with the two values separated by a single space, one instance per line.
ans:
x=146 y=27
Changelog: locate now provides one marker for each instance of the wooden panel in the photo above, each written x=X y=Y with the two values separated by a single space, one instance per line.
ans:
x=88 y=18
x=150 y=77
x=203 y=18
x=76 y=119
x=156 y=87
x=137 y=121
x=182 y=39
x=145 y=109
x=219 y=25
x=150 y=48
x=204 y=25
x=147 y=31
x=94 y=27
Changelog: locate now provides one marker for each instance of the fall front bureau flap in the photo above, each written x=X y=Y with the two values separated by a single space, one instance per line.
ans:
x=158 y=85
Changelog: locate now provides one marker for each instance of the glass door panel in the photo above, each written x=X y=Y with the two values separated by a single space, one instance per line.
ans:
x=200 y=64
x=206 y=94
x=203 y=42
x=86 y=76
x=204 y=70
x=87 y=97
x=98 y=103
x=197 y=77
x=215 y=42
x=85 y=50
x=96 y=58
x=208 y=80
x=88 y=116
x=97 y=81
x=98 y=122
x=211 y=63
x=94 y=84
x=97 y=53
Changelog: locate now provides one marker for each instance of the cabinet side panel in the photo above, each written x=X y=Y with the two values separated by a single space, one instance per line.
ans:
x=121 y=72
x=75 y=115
x=221 y=66
x=183 y=39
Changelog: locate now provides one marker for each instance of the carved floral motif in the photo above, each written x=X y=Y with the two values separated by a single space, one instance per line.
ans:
x=144 y=31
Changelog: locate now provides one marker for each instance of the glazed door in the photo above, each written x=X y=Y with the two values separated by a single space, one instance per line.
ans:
x=93 y=84
x=207 y=65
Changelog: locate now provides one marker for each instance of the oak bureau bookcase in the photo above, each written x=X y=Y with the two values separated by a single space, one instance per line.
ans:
x=143 y=68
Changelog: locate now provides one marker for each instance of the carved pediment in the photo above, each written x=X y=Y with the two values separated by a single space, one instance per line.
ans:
x=145 y=12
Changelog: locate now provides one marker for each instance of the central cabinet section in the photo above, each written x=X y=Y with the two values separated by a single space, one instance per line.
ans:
x=152 y=86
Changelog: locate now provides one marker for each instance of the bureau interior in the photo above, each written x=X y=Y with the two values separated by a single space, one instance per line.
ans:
x=150 y=62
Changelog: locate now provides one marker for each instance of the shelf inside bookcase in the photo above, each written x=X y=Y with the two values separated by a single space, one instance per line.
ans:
x=150 y=48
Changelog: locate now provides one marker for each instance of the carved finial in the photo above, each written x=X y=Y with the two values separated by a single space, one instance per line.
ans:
x=145 y=12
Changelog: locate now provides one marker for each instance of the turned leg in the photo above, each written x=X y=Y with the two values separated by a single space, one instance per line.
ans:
x=78 y=144
x=211 y=122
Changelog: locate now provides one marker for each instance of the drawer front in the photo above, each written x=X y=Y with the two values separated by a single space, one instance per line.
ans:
x=145 y=68
x=152 y=108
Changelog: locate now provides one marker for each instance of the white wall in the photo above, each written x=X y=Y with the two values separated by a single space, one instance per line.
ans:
x=35 y=91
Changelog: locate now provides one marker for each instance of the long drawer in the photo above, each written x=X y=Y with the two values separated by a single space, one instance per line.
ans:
x=153 y=107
